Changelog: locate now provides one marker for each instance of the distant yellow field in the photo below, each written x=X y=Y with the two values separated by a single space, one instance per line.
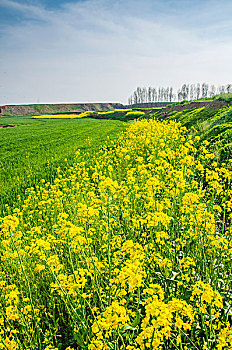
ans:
x=115 y=110
x=62 y=116
x=57 y=116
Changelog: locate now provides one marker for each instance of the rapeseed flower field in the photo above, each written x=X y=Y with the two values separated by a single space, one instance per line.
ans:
x=62 y=116
x=128 y=250
x=55 y=116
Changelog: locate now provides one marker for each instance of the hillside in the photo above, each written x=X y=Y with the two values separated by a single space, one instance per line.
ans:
x=210 y=120
x=37 y=109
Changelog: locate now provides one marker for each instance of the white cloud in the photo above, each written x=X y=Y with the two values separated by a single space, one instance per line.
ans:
x=27 y=10
x=99 y=51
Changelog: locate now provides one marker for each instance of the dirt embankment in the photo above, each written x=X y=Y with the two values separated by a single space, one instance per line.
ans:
x=148 y=105
x=211 y=104
x=38 y=109
x=216 y=104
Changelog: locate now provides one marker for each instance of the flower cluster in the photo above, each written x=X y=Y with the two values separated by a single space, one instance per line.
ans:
x=129 y=248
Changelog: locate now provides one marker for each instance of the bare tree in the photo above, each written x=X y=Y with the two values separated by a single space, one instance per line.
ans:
x=136 y=100
x=186 y=92
x=198 y=91
x=192 y=92
x=204 y=90
x=212 y=91
x=221 y=89
x=171 y=95
x=150 y=94
x=154 y=95
x=229 y=88
x=180 y=96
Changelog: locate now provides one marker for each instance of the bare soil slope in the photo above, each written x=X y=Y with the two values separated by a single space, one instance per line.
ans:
x=37 y=109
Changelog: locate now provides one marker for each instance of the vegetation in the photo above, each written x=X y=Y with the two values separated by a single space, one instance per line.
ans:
x=117 y=114
x=34 y=150
x=56 y=116
x=209 y=123
x=64 y=116
x=224 y=97
x=117 y=242
x=135 y=114
x=129 y=248
x=185 y=93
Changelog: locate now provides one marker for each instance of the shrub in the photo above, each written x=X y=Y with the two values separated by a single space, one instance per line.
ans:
x=134 y=114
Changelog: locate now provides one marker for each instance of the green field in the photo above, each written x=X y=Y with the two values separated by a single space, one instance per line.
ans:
x=33 y=150
x=126 y=247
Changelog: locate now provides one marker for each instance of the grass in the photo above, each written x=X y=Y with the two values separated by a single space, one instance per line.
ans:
x=224 y=97
x=117 y=114
x=210 y=124
x=36 y=148
x=126 y=249
x=135 y=114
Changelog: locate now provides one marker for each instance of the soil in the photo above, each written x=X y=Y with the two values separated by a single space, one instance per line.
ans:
x=7 y=126
x=216 y=104
x=38 y=109
x=211 y=104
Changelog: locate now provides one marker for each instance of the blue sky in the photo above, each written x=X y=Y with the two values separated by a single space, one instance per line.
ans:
x=101 y=50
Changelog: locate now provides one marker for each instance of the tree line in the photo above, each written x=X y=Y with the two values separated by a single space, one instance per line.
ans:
x=186 y=92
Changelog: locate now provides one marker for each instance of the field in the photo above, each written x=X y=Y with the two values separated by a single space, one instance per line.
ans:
x=33 y=150
x=128 y=247
x=210 y=120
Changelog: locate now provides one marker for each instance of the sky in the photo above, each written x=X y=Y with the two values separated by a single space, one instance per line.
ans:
x=54 y=51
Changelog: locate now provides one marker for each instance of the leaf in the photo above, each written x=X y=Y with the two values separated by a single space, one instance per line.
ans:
x=127 y=327
x=136 y=320
x=79 y=340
